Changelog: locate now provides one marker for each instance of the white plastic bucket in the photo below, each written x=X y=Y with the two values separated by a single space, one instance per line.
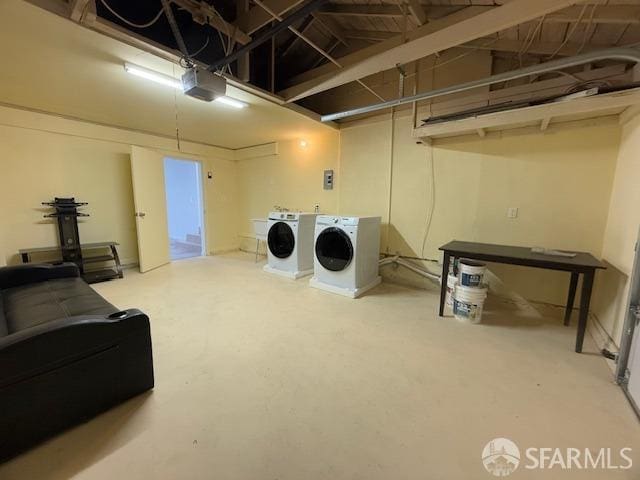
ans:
x=468 y=303
x=452 y=280
x=471 y=272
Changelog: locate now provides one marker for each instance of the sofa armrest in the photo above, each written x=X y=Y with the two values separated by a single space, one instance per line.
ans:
x=44 y=347
x=23 y=274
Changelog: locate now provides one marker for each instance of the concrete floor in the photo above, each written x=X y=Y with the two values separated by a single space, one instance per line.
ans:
x=258 y=377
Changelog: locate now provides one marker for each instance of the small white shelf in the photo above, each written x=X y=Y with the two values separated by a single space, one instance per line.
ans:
x=600 y=105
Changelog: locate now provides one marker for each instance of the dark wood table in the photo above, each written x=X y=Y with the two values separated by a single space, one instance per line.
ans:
x=583 y=263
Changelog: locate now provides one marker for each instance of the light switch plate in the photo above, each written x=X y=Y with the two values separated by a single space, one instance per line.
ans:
x=512 y=212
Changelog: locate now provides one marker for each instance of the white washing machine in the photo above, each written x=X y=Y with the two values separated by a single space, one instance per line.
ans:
x=347 y=250
x=290 y=244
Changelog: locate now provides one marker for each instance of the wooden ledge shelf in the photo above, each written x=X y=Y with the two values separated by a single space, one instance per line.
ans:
x=601 y=105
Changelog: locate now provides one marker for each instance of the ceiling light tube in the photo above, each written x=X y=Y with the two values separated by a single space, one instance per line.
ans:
x=153 y=76
x=170 y=81
x=232 y=102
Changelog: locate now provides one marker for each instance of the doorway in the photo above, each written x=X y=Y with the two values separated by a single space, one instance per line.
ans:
x=185 y=211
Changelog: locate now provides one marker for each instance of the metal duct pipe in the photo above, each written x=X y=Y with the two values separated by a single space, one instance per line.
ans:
x=308 y=9
x=627 y=54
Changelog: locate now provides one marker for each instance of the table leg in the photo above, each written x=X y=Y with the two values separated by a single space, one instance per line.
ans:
x=443 y=281
x=257 y=249
x=571 y=297
x=585 y=299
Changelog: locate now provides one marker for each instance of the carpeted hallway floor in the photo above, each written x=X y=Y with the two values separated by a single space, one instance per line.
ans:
x=259 y=378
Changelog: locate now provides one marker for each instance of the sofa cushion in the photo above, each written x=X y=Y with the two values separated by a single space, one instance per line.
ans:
x=36 y=303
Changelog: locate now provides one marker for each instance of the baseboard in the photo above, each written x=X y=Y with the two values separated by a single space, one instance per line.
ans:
x=261 y=252
x=222 y=251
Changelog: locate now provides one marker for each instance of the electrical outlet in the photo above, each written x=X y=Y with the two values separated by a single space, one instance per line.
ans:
x=328 y=180
x=512 y=212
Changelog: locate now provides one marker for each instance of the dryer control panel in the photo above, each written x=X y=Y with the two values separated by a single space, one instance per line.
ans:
x=335 y=220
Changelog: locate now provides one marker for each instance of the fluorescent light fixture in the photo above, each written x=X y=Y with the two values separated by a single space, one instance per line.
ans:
x=153 y=76
x=170 y=81
x=232 y=102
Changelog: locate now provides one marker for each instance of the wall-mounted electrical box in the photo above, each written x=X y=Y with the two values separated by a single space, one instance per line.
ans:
x=328 y=179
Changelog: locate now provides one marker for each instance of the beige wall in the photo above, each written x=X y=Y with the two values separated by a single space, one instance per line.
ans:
x=38 y=166
x=55 y=65
x=292 y=179
x=42 y=156
x=621 y=234
x=560 y=181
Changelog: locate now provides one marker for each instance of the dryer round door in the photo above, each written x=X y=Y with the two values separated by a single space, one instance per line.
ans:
x=281 y=240
x=334 y=249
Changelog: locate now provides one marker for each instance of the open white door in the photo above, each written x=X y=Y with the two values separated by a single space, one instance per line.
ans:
x=147 y=175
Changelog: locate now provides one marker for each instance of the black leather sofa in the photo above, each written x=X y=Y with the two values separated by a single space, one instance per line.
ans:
x=66 y=354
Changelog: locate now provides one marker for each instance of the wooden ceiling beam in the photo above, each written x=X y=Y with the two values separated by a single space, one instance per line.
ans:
x=304 y=27
x=535 y=48
x=362 y=10
x=417 y=11
x=603 y=14
x=257 y=17
x=461 y=27
x=82 y=11
x=369 y=35
x=331 y=26
x=364 y=53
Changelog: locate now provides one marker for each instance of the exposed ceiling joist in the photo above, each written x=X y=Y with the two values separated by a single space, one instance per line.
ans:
x=329 y=50
x=281 y=24
x=417 y=11
x=332 y=27
x=258 y=17
x=243 y=67
x=362 y=10
x=604 y=14
x=369 y=35
x=307 y=78
x=439 y=35
x=306 y=24
x=82 y=10
x=535 y=48
x=203 y=9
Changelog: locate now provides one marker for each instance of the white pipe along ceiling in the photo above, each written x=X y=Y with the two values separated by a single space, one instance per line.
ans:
x=625 y=54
